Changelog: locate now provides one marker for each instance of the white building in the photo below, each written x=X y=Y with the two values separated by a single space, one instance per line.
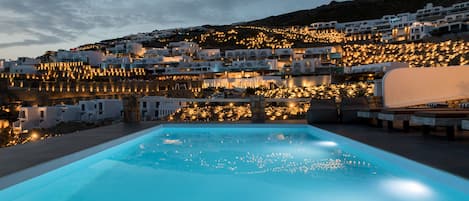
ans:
x=324 y=25
x=94 y=58
x=45 y=117
x=28 y=118
x=364 y=26
x=184 y=48
x=128 y=48
x=100 y=109
x=253 y=65
x=158 y=107
x=201 y=66
x=327 y=55
x=260 y=53
x=430 y=13
x=23 y=69
x=24 y=65
x=459 y=8
x=248 y=54
x=305 y=66
x=458 y=17
x=116 y=62
x=420 y=30
x=375 y=68
x=284 y=53
x=209 y=54
x=157 y=52
x=242 y=83
x=68 y=113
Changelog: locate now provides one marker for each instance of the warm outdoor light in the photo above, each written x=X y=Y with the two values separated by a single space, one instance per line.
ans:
x=34 y=136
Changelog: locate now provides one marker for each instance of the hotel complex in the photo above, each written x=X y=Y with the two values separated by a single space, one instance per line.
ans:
x=87 y=84
x=245 y=112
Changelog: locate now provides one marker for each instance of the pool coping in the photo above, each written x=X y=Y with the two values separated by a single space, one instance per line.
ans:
x=42 y=168
x=440 y=175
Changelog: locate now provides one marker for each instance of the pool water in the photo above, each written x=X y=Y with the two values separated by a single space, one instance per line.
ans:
x=241 y=162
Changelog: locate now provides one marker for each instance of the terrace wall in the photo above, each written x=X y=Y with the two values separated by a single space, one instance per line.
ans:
x=417 y=86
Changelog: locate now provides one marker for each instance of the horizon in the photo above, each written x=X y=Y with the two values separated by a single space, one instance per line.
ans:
x=37 y=27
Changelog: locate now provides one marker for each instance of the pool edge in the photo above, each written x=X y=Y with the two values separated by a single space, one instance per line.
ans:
x=47 y=166
x=440 y=175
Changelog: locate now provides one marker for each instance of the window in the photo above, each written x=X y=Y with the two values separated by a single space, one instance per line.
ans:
x=144 y=104
x=41 y=114
x=23 y=114
x=157 y=105
x=82 y=107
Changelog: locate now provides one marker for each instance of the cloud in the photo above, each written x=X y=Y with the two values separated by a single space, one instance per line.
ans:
x=40 y=40
x=62 y=21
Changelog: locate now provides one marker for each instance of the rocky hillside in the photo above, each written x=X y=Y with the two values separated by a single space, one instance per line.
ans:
x=347 y=11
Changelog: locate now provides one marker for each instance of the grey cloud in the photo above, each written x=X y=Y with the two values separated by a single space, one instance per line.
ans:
x=40 y=40
x=54 y=21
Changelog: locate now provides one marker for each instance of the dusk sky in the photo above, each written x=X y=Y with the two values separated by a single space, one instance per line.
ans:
x=31 y=27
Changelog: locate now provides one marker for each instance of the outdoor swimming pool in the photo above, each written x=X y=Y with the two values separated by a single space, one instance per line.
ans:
x=240 y=162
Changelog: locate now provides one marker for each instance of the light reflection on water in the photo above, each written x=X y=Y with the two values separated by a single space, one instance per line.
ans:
x=278 y=153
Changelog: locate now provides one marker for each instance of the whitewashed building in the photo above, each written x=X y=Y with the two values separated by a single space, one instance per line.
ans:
x=116 y=62
x=94 y=58
x=248 y=54
x=100 y=109
x=243 y=83
x=284 y=53
x=420 y=30
x=305 y=66
x=157 y=52
x=250 y=65
x=430 y=13
x=45 y=117
x=209 y=54
x=158 y=107
x=128 y=48
x=24 y=65
x=375 y=68
x=324 y=25
x=184 y=48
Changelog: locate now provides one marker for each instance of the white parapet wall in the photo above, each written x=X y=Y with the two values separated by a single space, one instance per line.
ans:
x=415 y=86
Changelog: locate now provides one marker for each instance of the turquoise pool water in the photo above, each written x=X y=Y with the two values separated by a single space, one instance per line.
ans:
x=240 y=162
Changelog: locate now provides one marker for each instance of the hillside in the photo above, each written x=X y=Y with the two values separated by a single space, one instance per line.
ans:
x=277 y=31
x=348 y=11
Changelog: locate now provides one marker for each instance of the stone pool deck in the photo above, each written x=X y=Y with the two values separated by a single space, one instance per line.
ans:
x=20 y=157
x=435 y=150
x=451 y=156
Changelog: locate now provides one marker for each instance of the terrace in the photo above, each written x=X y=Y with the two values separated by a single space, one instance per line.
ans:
x=433 y=151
